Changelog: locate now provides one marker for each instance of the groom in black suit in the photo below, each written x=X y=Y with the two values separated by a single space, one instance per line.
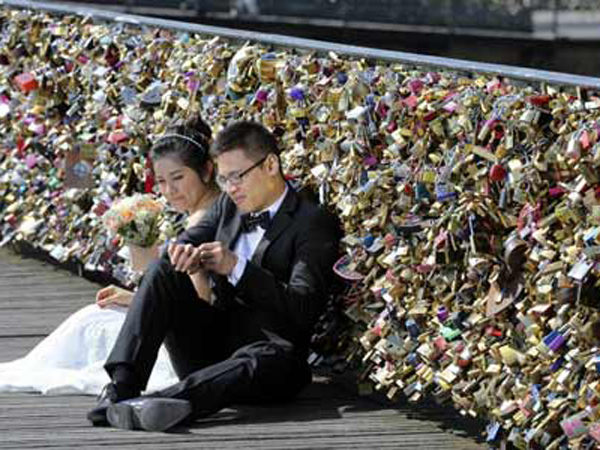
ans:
x=270 y=254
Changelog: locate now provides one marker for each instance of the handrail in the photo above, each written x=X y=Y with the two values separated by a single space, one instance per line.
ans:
x=512 y=72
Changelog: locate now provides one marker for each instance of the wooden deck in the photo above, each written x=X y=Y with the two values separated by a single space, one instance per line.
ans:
x=35 y=297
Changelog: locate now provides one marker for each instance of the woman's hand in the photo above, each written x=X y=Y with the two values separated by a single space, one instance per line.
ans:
x=113 y=295
x=202 y=286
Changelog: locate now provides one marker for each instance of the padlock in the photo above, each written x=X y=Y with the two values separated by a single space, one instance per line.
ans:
x=26 y=82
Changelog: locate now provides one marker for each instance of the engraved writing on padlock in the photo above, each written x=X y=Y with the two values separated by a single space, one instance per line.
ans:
x=579 y=271
x=574 y=147
x=530 y=116
x=443 y=192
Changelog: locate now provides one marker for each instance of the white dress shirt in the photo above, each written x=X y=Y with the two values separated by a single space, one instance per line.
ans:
x=248 y=241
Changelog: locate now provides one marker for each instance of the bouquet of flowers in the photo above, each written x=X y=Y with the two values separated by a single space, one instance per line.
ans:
x=136 y=219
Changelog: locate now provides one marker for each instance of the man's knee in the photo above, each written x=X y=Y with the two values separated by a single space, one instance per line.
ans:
x=159 y=267
x=276 y=373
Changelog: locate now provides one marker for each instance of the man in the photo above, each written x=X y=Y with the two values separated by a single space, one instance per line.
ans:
x=270 y=255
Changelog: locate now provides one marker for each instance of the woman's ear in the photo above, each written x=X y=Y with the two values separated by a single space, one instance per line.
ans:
x=208 y=173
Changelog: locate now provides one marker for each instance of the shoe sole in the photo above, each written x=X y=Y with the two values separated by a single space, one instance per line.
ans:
x=98 y=418
x=154 y=414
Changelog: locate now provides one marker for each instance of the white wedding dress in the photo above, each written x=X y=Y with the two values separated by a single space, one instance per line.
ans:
x=70 y=360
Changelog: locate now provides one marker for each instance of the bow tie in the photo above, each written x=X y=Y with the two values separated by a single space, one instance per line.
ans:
x=251 y=221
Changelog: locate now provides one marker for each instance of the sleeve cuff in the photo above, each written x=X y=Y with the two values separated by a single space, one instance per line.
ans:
x=238 y=271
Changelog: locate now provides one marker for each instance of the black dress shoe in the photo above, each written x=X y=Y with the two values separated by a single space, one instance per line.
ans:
x=111 y=394
x=148 y=413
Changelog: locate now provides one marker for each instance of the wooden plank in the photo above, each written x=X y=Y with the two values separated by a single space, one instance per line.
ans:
x=35 y=298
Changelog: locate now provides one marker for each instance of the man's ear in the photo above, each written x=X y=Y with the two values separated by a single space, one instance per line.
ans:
x=273 y=163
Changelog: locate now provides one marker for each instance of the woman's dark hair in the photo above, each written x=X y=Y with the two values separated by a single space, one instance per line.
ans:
x=189 y=142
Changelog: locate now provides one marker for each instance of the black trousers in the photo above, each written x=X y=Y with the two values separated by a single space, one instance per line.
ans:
x=217 y=363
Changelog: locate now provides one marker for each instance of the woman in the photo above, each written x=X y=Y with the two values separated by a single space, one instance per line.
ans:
x=71 y=358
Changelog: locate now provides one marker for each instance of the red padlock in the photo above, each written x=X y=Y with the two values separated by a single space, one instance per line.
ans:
x=148 y=176
x=539 y=100
x=11 y=219
x=26 y=82
x=497 y=173
x=100 y=209
x=415 y=86
x=382 y=109
x=69 y=66
x=430 y=116
x=111 y=56
x=493 y=331
x=21 y=145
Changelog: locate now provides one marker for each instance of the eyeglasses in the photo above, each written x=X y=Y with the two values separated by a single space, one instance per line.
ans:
x=236 y=178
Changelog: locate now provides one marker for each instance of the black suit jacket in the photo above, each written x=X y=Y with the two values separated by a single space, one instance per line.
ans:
x=285 y=285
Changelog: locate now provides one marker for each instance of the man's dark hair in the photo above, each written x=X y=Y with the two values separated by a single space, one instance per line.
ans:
x=251 y=137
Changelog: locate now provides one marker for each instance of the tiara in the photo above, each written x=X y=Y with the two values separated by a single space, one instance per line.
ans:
x=180 y=136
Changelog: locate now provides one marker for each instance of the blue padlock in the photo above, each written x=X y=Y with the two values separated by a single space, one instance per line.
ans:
x=413 y=328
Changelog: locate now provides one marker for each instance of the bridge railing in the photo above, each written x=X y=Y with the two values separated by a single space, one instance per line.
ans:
x=418 y=60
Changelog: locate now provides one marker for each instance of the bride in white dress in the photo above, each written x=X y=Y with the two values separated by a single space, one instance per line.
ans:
x=70 y=360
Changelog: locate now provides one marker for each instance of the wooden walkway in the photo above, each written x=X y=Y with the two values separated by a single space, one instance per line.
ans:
x=35 y=297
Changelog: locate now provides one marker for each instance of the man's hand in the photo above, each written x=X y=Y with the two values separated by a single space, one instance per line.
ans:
x=213 y=256
x=185 y=257
x=217 y=258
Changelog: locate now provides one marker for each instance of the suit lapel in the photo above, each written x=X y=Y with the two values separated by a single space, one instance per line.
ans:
x=281 y=221
x=231 y=229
